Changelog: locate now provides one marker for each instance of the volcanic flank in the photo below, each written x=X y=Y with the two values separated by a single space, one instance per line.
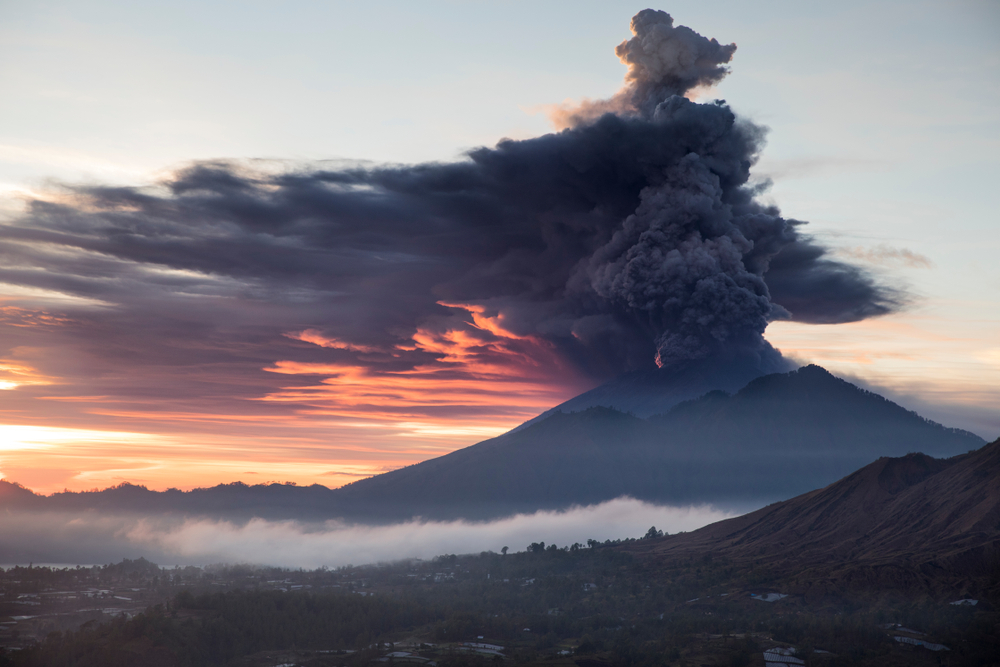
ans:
x=781 y=435
x=901 y=522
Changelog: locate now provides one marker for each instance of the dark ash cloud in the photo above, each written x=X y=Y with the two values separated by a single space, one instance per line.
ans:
x=632 y=237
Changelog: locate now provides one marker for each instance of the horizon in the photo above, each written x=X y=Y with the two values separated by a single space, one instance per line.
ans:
x=277 y=482
x=180 y=368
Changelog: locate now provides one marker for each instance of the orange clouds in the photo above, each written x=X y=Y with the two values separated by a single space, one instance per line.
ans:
x=492 y=324
x=342 y=410
x=348 y=410
x=14 y=316
x=14 y=375
x=317 y=338
x=481 y=372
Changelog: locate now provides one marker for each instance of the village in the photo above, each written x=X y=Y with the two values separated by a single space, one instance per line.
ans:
x=586 y=606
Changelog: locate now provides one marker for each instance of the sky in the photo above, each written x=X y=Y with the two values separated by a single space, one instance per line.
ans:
x=159 y=348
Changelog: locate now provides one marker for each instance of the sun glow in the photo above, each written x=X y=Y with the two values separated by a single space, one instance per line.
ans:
x=907 y=353
x=14 y=375
x=48 y=459
x=17 y=437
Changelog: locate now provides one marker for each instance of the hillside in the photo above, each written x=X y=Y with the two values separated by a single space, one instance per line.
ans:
x=913 y=513
x=809 y=411
x=236 y=501
x=866 y=569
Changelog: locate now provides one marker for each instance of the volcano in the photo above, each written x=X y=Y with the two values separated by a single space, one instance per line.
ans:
x=654 y=391
x=781 y=435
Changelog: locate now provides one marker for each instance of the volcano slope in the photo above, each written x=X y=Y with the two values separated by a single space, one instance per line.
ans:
x=912 y=521
x=645 y=393
x=781 y=435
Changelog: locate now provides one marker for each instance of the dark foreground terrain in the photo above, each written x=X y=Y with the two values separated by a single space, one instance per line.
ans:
x=896 y=564
x=589 y=606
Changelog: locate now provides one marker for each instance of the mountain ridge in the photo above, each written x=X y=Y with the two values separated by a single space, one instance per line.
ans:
x=656 y=390
x=914 y=510
x=779 y=436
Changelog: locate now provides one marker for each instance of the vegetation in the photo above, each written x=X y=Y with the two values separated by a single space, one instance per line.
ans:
x=584 y=605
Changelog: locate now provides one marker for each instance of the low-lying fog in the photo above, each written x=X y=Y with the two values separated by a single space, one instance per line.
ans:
x=93 y=538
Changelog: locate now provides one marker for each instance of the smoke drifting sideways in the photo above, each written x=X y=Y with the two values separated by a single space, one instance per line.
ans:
x=631 y=239
x=88 y=539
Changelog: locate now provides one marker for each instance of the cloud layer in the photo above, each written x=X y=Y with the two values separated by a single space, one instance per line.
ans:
x=92 y=539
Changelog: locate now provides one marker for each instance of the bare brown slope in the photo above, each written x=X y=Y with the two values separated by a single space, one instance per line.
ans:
x=913 y=509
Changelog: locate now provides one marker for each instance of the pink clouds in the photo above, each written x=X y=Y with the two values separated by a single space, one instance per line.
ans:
x=473 y=370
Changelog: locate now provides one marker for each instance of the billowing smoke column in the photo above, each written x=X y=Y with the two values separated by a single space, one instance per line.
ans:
x=663 y=61
x=679 y=261
x=631 y=237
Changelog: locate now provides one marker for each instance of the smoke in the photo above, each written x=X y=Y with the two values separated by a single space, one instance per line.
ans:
x=679 y=259
x=88 y=538
x=629 y=239
x=883 y=254
x=663 y=61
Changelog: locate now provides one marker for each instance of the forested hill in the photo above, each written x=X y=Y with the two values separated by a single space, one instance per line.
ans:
x=781 y=435
x=235 y=501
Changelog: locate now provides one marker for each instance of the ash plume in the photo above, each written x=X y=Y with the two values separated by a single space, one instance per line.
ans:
x=631 y=238
x=663 y=60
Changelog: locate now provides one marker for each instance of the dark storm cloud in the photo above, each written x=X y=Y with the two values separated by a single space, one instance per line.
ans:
x=629 y=238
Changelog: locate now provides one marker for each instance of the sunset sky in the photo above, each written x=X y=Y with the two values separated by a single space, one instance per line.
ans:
x=327 y=356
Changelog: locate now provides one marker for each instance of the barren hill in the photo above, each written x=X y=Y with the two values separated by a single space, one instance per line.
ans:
x=913 y=513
